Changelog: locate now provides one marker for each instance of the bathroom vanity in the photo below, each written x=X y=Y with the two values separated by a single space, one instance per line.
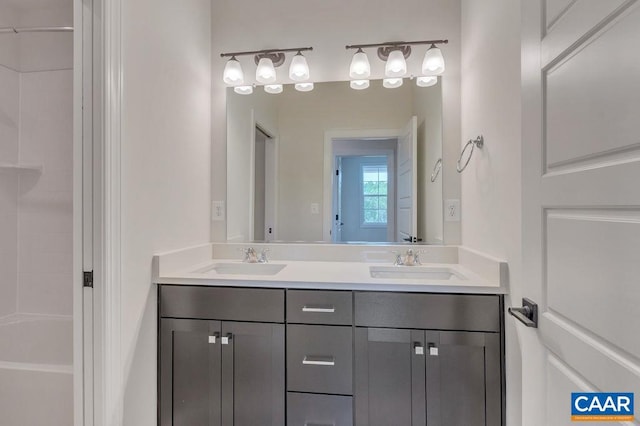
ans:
x=236 y=349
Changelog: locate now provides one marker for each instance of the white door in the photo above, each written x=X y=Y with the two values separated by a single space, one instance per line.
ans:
x=407 y=181
x=581 y=202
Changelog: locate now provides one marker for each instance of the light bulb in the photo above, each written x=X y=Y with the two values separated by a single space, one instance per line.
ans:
x=304 y=87
x=426 y=81
x=265 y=73
x=299 y=69
x=243 y=90
x=233 y=74
x=359 y=84
x=433 y=63
x=273 y=89
x=360 y=67
x=396 y=65
x=392 y=83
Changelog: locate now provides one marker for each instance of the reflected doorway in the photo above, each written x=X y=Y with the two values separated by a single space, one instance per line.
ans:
x=364 y=190
x=264 y=187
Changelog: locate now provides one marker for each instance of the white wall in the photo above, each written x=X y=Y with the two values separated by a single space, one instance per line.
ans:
x=328 y=26
x=491 y=185
x=166 y=160
x=9 y=124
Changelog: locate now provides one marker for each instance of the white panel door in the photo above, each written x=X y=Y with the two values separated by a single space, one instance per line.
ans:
x=581 y=195
x=407 y=181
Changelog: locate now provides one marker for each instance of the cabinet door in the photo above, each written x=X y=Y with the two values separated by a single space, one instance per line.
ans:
x=253 y=374
x=189 y=373
x=463 y=379
x=389 y=377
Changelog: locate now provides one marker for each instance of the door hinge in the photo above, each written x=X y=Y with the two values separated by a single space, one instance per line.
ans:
x=87 y=280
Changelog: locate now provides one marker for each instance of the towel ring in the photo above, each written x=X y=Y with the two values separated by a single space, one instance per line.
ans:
x=436 y=170
x=479 y=142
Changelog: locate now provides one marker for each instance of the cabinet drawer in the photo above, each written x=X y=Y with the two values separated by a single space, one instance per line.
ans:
x=319 y=307
x=221 y=303
x=319 y=359
x=428 y=311
x=319 y=410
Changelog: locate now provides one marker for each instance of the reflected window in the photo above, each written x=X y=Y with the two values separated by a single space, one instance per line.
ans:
x=374 y=194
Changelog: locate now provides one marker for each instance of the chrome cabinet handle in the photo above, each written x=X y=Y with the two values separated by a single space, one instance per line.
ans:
x=328 y=309
x=319 y=424
x=226 y=339
x=319 y=360
x=418 y=349
x=213 y=339
x=433 y=349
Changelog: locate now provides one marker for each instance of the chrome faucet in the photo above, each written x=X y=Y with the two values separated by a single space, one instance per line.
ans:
x=251 y=256
x=410 y=258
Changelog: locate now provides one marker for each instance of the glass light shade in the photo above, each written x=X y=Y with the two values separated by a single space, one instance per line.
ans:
x=360 y=68
x=266 y=73
x=433 y=63
x=243 y=90
x=427 y=81
x=233 y=74
x=392 y=83
x=274 y=89
x=396 y=65
x=304 y=87
x=299 y=69
x=359 y=84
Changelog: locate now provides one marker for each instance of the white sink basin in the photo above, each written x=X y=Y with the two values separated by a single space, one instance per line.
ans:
x=243 y=268
x=415 y=273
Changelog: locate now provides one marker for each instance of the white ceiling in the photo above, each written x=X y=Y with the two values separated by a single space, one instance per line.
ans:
x=329 y=25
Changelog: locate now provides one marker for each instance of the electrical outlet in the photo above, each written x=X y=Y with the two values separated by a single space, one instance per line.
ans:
x=217 y=211
x=452 y=210
x=315 y=208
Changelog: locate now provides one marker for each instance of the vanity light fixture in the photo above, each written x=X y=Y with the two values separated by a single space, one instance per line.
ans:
x=433 y=63
x=395 y=55
x=243 y=90
x=299 y=69
x=427 y=81
x=273 y=89
x=233 y=74
x=396 y=65
x=392 y=83
x=304 y=87
x=267 y=61
x=359 y=84
x=360 y=68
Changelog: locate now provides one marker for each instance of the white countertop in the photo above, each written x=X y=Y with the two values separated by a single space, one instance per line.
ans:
x=483 y=275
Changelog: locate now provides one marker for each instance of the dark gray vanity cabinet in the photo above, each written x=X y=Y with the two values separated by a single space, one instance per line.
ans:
x=409 y=374
x=221 y=373
x=349 y=358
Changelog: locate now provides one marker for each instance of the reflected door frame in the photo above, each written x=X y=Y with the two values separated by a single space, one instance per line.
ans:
x=329 y=168
x=271 y=176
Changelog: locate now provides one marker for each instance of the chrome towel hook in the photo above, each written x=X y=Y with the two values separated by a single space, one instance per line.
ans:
x=436 y=170
x=479 y=142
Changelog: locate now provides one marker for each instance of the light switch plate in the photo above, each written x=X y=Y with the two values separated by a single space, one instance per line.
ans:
x=452 y=210
x=217 y=211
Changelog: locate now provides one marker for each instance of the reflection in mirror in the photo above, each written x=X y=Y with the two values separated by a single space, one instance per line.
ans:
x=335 y=164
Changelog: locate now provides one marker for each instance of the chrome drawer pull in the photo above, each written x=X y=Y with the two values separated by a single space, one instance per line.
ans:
x=213 y=339
x=319 y=424
x=327 y=309
x=226 y=339
x=319 y=360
